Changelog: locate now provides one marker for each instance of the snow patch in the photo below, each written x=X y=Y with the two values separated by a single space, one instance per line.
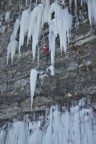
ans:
x=52 y=69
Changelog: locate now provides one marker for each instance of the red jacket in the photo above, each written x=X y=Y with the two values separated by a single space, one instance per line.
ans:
x=46 y=50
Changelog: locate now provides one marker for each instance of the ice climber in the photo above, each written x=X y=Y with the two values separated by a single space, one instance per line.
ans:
x=46 y=52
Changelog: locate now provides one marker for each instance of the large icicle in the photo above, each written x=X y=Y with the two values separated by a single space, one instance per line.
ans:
x=35 y=26
x=46 y=11
x=61 y=24
x=52 y=47
x=92 y=11
x=23 y=27
x=64 y=28
x=11 y=50
x=33 y=79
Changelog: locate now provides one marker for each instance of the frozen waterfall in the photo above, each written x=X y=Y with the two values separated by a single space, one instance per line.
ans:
x=74 y=126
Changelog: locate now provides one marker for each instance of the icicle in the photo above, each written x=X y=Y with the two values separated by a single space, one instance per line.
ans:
x=52 y=47
x=56 y=126
x=77 y=126
x=15 y=31
x=58 y=26
x=92 y=11
x=35 y=26
x=46 y=11
x=33 y=79
x=7 y=16
x=36 y=136
x=23 y=27
x=11 y=50
x=48 y=139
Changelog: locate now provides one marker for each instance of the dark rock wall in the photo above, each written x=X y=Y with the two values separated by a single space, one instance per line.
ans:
x=75 y=72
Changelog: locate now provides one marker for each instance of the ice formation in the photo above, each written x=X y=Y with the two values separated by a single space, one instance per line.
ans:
x=76 y=126
x=60 y=25
x=56 y=8
x=92 y=11
x=41 y=14
x=35 y=26
x=15 y=31
x=23 y=27
x=33 y=79
x=11 y=50
x=65 y=28
x=13 y=44
x=59 y=20
x=7 y=16
x=45 y=16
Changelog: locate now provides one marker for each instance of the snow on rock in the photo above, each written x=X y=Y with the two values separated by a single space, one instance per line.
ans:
x=23 y=27
x=11 y=50
x=15 y=31
x=52 y=69
x=7 y=16
x=35 y=26
x=2 y=29
x=33 y=79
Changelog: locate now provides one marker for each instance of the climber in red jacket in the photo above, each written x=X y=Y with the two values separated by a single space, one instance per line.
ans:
x=46 y=52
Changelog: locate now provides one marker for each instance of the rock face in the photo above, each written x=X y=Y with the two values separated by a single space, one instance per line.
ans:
x=75 y=75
